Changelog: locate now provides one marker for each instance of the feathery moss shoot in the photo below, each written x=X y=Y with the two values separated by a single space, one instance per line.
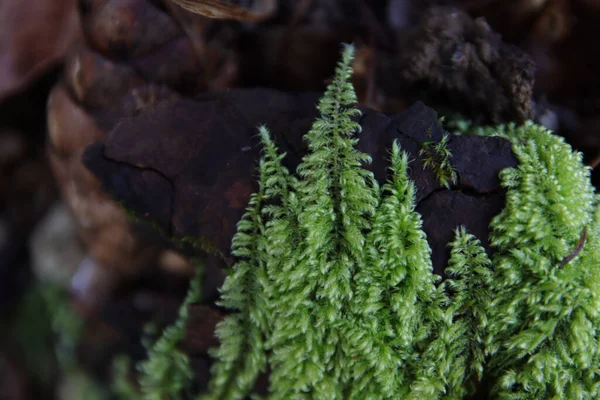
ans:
x=436 y=157
x=334 y=293
x=167 y=372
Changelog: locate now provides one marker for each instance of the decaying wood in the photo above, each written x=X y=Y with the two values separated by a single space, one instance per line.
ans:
x=190 y=166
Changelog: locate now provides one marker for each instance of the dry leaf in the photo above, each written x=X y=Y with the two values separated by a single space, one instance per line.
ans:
x=220 y=9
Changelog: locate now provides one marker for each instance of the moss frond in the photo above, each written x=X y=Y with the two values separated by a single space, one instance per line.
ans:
x=241 y=357
x=436 y=156
x=121 y=385
x=453 y=361
x=336 y=197
x=394 y=289
x=167 y=372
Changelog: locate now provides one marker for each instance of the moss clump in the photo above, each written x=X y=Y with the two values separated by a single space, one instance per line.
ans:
x=333 y=290
x=544 y=317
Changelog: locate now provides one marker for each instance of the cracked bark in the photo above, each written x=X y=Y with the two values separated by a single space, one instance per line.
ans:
x=189 y=166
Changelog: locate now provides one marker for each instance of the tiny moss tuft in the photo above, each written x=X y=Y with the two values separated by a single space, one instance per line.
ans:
x=436 y=156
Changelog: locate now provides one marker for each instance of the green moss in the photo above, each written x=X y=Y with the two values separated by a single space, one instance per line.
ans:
x=331 y=320
x=241 y=354
x=334 y=289
x=166 y=373
x=122 y=383
x=436 y=156
x=459 y=125
x=543 y=333
x=32 y=332
x=334 y=294
x=46 y=332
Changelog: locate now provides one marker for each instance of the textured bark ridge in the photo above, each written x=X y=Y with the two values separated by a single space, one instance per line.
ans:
x=189 y=166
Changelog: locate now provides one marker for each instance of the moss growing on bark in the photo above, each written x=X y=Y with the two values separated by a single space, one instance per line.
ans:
x=333 y=292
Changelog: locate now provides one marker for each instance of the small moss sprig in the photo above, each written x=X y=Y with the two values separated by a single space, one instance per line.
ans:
x=453 y=362
x=241 y=356
x=436 y=156
x=166 y=373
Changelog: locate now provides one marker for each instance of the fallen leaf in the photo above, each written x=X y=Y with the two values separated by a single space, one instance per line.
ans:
x=220 y=9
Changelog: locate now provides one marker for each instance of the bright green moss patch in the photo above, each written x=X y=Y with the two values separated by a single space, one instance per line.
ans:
x=334 y=289
x=543 y=328
x=334 y=295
